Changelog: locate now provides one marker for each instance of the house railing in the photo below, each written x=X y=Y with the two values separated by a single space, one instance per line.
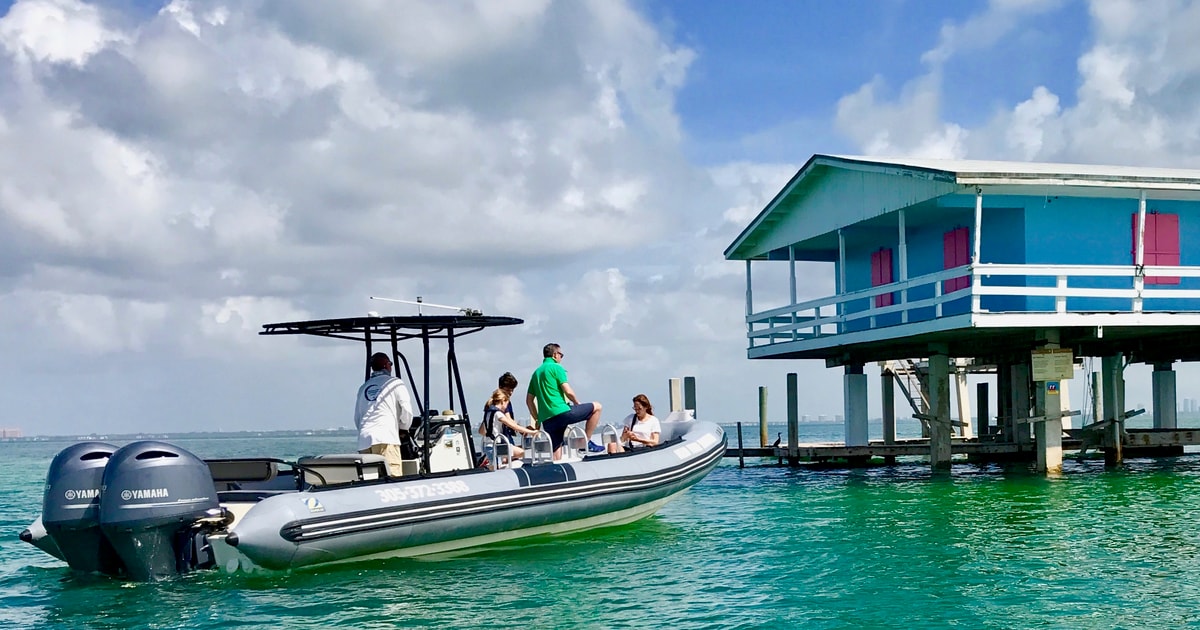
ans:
x=1045 y=289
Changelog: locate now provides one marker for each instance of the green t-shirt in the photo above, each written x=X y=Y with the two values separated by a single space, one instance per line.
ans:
x=546 y=386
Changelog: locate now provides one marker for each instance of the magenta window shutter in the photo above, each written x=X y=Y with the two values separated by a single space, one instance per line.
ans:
x=881 y=273
x=1164 y=248
x=955 y=253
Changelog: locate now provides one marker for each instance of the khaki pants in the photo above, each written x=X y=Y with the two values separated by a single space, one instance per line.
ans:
x=391 y=455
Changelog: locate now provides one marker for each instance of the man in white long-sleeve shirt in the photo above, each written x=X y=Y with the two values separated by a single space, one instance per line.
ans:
x=382 y=413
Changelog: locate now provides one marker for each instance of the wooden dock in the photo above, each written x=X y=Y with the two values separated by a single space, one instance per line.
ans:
x=1136 y=443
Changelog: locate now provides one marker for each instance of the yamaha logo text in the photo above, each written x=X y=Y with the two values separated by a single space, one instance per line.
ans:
x=85 y=493
x=144 y=493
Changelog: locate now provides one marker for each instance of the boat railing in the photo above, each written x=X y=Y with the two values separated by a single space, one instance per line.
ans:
x=609 y=435
x=984 y=288
x=543 y=449
x=575 y=443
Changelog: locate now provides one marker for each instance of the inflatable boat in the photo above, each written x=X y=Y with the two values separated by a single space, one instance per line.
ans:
x=151 y=510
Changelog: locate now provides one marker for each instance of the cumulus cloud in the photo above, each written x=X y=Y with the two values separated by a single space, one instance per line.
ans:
x=176 y=178
x=1136 y=83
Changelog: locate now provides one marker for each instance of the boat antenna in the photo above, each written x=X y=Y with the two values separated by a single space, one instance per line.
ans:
x=470 y=312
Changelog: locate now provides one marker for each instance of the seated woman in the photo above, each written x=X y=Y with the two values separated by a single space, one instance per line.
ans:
x=642 y=429
x=496 y=422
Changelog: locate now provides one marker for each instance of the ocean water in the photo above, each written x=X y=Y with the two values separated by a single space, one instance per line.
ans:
x=759 y=547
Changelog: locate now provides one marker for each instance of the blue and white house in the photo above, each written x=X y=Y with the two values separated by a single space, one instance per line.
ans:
x=984 y=260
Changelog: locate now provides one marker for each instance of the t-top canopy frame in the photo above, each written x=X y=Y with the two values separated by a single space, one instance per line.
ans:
x=394 y=329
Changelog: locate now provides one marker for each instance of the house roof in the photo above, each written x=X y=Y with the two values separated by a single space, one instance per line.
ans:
x=884 y=185
x=991 y=172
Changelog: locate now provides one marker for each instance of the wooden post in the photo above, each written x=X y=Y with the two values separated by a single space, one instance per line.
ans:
x=793 y=418
x=1097 y=397
x=689 y=393
x=887 y=395
x=762 y=416
x=981 y=409
x=939 y=407
x=741 y=450
x=1020 y=401
x=963 y=400
x=1004 y=400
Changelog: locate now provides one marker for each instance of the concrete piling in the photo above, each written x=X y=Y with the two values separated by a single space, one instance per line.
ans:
x=939 y=411
x=762 y=416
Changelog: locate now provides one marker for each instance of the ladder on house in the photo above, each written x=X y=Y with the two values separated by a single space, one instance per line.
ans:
x=912 y=375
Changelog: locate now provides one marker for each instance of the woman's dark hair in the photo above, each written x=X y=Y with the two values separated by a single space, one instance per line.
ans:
x=645 y=402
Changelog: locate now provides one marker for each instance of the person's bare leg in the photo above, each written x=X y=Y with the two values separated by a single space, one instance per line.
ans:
x=593 y=420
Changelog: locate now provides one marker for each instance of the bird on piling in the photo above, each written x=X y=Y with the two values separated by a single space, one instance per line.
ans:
x=778 y=439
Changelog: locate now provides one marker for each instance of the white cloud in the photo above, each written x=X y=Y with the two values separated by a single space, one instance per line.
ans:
x=177 y=179
x=54 y=31
x=1132 y=105
x=984 y=29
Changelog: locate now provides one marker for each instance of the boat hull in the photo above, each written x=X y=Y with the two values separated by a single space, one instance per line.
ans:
x=444 y=514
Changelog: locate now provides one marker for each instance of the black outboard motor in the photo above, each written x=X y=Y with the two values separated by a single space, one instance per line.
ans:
x=155 y=497
x=71 y=508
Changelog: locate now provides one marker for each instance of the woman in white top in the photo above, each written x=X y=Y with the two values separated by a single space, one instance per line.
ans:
x=496 y=422
x=642 y=429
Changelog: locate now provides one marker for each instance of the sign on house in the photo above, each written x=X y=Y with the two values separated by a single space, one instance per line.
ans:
x=1053 y=364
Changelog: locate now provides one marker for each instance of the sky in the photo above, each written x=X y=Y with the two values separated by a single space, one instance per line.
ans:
x=174 y=175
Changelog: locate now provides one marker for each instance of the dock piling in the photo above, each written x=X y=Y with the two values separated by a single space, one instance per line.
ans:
x=762 y=416
x=793 y=419
x=939 y=403
x=855 y=404
x=1113 y=368
x=741 y=451
x=982 y=412
x=887 y=396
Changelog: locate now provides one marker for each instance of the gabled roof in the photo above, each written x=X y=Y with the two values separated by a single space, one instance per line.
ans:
x=888 y=184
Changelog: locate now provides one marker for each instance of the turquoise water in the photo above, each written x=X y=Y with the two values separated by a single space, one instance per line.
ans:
x=986 y=547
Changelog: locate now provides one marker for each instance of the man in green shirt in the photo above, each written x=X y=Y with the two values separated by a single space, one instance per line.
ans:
x=550 y=397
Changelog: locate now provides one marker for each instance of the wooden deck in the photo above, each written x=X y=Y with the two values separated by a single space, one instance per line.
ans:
x=1137 y=443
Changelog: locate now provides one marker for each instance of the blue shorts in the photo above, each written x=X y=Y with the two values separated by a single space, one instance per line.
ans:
x=557 y=425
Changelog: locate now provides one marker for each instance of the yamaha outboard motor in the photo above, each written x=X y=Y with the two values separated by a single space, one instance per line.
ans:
x=71 y=507
x=157 y=500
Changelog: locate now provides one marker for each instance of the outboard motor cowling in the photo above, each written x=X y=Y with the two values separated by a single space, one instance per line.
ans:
x=154 y=495
x=71 y=507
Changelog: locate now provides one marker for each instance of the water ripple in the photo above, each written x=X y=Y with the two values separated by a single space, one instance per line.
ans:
x=984 y=547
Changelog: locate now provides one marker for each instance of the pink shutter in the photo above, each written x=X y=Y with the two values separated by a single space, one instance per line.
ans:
x=954 y=254
x=881 y=273
x=1164 y=248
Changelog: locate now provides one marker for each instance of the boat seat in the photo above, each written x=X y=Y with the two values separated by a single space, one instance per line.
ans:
x=232 y=474
x=321 y=470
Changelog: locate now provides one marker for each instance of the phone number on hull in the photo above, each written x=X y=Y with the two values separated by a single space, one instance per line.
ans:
x=422 y=491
